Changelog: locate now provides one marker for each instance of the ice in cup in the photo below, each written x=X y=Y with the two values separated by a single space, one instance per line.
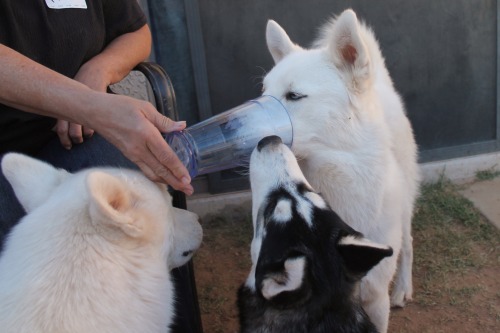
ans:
x=226 y=140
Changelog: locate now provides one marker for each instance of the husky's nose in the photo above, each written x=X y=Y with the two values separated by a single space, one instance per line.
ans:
x=269 y=140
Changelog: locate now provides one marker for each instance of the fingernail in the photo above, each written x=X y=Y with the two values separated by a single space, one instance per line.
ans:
x=185 y=180
x=180 y=124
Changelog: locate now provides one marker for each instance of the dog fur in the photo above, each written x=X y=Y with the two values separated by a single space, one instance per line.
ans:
x=354 y=143
x=93 y=253
x=306 y=262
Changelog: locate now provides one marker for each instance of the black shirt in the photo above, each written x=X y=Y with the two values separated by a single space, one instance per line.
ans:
x=62 y=40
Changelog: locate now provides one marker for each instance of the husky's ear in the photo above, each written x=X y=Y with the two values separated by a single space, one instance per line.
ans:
x=360 y=255
x=112 y=204
x=349 y=52
x=278 y=42
x=31 y=179
x=286 y=277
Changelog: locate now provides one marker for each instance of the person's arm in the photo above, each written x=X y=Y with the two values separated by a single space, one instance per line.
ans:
x=132 y=125
x=116 y=60
x=108 y=67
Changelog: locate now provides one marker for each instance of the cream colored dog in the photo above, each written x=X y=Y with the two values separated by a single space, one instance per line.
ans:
x=94 y=252
x=354 y=143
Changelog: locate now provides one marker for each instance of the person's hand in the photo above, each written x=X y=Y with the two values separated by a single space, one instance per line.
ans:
x=134 y=127
x=71 y=133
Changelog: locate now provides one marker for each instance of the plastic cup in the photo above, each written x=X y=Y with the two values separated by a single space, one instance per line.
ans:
x=226 y=140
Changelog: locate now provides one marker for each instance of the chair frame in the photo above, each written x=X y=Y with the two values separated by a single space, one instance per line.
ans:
x=188 y=317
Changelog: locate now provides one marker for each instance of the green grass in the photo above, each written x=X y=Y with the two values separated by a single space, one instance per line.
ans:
x=225 y=252
x=451 y=239
x=488 y=174
x=210 y=296
x=237 y=228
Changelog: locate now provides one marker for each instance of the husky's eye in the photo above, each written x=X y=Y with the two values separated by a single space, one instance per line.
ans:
x=293 y=96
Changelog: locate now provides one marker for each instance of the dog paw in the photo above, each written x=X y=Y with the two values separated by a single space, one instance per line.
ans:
x=399 y=299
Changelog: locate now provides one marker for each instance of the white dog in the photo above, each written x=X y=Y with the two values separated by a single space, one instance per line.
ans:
x=94 y=252
x=354 y=142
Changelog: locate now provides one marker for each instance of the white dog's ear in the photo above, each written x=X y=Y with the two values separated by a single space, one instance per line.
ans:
x=349 y=52
x=31 y=179
x=112 y=204
x=278 y=42
x=361 y=255
x=289 y=279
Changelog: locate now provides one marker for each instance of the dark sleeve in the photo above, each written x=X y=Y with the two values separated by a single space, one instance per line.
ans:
x=121 y=17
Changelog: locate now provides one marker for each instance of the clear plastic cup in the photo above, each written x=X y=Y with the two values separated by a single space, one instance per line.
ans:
x=226 y=140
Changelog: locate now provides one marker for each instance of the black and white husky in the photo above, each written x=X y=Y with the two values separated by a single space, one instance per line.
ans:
x=306 y=262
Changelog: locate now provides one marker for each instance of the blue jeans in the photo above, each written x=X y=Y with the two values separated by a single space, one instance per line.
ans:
x=93 y=152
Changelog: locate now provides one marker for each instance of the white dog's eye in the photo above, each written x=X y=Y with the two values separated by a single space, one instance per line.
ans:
x=293 y=96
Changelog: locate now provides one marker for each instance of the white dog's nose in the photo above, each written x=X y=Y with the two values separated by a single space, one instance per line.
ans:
x=269 y=140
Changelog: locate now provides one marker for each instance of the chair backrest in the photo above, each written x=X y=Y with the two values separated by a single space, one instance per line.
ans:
x=149 y=81
x=136 y=85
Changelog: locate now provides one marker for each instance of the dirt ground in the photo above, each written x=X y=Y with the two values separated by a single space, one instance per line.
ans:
x=456 y=269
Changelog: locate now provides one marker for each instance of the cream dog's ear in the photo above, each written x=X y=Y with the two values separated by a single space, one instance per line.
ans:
x=31 y=179
x=349 y=52
x=113 y=204
x=278 y=42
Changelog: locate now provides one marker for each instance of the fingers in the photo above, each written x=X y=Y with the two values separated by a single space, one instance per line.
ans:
x=75 y=133
x=87 y=132
x=167 y=125
x=70 y=133
x=158 y=173
x=61 y=129
x=168 y=167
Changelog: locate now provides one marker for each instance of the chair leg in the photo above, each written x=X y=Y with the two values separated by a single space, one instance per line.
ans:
x=188 y=316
